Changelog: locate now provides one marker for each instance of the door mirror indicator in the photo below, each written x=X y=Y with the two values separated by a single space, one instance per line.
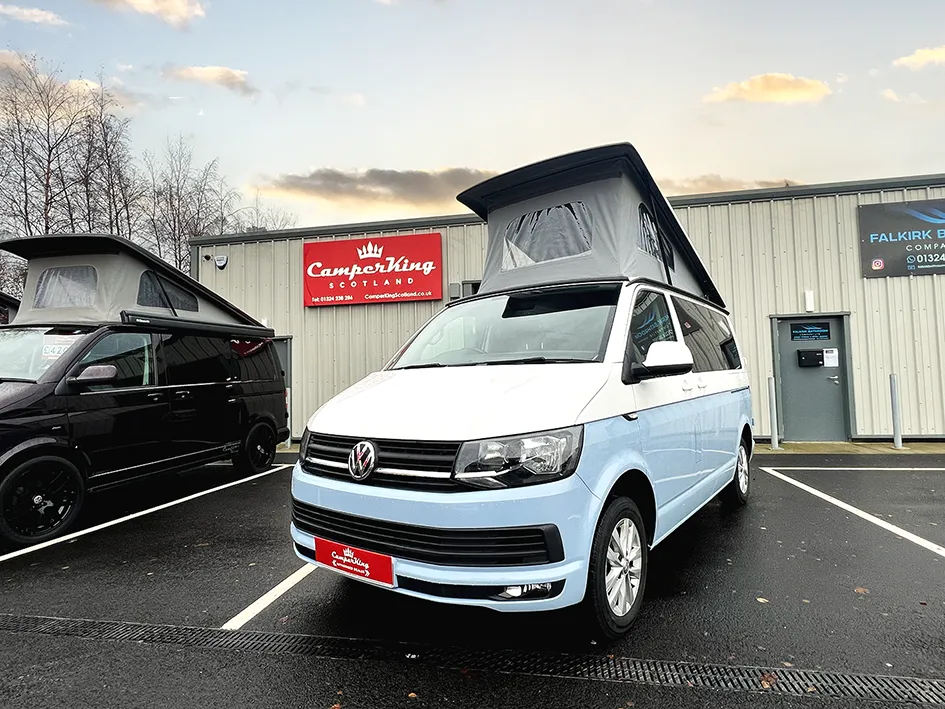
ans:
x=96 y=373
x=663 y=359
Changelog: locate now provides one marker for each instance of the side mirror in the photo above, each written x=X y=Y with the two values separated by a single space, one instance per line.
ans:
x=663 y=359
x=96 y=373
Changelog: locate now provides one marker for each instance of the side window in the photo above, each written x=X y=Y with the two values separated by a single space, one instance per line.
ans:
x=707 y=334
x=650 y=322
x=66 y=287
x=150 y=294
x=254 y=360
x=130 y=353
x=197 y=359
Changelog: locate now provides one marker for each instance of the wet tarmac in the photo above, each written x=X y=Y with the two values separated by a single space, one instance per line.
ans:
x=790 y=583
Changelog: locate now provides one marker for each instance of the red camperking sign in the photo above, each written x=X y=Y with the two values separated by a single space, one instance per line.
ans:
x=384 y=270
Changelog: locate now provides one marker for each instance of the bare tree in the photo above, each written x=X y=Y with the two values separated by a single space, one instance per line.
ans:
x=67 y=165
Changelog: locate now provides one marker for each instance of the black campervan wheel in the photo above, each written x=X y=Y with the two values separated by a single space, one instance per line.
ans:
x=39 y=500
x=259 y=449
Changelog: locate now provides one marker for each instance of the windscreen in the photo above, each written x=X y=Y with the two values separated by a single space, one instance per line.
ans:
x=27 y=352
x=561 y=325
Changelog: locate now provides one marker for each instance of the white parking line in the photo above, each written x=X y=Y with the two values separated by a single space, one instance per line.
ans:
x=925 y=543
x=126 y=518
x=913 y=470
x=267 y=599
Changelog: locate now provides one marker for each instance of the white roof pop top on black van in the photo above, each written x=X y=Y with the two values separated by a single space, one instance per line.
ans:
x=76 y=279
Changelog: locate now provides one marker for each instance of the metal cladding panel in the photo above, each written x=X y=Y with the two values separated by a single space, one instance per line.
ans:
x=332 y=347
x=765 y=254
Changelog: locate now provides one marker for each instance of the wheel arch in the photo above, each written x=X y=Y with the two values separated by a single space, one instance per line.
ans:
x=46 y=445
x=636 y=485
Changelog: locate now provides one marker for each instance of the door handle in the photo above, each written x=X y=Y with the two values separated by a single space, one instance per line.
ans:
x=702 y=385
x=182 y=394
x=835 y=380
x=686 y=386
x=231 y=401
x=156 y=396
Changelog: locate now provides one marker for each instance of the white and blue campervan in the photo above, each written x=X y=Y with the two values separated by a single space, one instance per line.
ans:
x=530 y=444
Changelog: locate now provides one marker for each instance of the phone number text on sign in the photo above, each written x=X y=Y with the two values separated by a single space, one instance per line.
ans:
x=353 y=271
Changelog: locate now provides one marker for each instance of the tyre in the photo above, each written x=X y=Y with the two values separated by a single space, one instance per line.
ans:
x=258 y=450
x=617 y=573
x=40 y=499
x=736 y=492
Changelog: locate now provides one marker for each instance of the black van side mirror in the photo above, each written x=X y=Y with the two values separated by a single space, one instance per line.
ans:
x=95 y=373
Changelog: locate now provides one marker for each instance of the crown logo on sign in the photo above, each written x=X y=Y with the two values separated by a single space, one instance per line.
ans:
x=348 y=553
x=371 y=250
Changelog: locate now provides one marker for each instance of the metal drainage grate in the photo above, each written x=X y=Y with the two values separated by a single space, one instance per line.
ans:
x=793 y=682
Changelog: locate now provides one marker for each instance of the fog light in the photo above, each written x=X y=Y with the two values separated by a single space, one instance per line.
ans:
x=525 y=591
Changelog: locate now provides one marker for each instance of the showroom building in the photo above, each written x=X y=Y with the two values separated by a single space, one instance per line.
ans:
x=833 y=288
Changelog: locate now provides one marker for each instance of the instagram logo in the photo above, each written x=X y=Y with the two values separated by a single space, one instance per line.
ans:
x=878 y=264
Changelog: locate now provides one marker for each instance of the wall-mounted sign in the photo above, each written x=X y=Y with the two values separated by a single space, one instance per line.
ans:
x=902 y=239
x=810 y=331
x=379 y=270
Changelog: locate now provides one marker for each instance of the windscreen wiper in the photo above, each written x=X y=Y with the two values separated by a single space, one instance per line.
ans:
x=537 y=360
x=18 y=380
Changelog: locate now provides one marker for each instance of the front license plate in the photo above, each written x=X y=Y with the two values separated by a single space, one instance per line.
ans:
x=367 y=565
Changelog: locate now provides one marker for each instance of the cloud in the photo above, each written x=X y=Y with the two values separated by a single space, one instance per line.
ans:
x=125 y=68
x=891 y=95
x=31 y=15
x=771 y=88
x=842 y=78
x=716 y=183
x=414 y=188
x=9 y=61
x=921 y=58
x=353 y=99
x=177 y=13
x=232 y=79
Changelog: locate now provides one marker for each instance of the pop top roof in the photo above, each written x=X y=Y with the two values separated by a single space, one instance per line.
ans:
x=595 y=213
x=99 y=278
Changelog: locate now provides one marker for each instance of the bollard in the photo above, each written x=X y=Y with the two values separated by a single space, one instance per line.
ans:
x=896 y=411
x=772 y=405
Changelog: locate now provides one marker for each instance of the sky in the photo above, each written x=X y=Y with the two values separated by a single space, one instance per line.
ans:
x=355 y=110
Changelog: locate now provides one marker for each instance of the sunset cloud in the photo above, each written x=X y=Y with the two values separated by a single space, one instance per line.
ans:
x=31 y=15
x=177 y=13
x=891 y=95
x=234 y=80
x=771 y=88
x=922 y=58
x=415 y=188
x=717 y=183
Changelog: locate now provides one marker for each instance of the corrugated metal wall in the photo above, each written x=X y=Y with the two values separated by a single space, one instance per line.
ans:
x=332 y=347
x=763 y=255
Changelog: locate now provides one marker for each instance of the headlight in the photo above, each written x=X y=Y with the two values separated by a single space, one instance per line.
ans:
x=520 y=460
x=303 y=445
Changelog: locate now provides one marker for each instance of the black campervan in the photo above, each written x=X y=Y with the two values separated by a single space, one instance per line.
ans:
x=117 y=366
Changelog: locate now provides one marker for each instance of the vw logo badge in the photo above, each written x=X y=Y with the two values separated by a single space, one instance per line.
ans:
x=361 y=460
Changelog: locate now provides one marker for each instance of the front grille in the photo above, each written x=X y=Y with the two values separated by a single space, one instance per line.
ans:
x=510 y=546
x=406 y=465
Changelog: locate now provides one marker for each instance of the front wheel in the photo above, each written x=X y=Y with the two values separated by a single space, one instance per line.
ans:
x=258 y=451
x=617 y=574
x=40 y=499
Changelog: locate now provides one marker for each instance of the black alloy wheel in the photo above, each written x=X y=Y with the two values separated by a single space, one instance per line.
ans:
x=259 y=449
x=40 y=499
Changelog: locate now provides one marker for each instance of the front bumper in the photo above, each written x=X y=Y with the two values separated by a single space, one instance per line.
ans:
x=567 y=504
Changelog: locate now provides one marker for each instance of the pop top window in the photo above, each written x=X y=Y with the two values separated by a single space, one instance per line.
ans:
x=546 y=235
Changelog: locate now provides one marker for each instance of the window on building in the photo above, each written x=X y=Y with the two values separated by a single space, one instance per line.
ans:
x=66 y=287
x=130 y=353
x=650 y=322
x=470 y=288
x=708 y=336
x=150 y=294
x=193 y=359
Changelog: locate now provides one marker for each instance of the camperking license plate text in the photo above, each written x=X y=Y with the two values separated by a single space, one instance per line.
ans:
x=352 y=561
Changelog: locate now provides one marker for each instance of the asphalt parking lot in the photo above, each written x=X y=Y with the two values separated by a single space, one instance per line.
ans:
x=827 y=590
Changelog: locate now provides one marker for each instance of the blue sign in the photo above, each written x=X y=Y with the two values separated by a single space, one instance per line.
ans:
x=810 y=331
